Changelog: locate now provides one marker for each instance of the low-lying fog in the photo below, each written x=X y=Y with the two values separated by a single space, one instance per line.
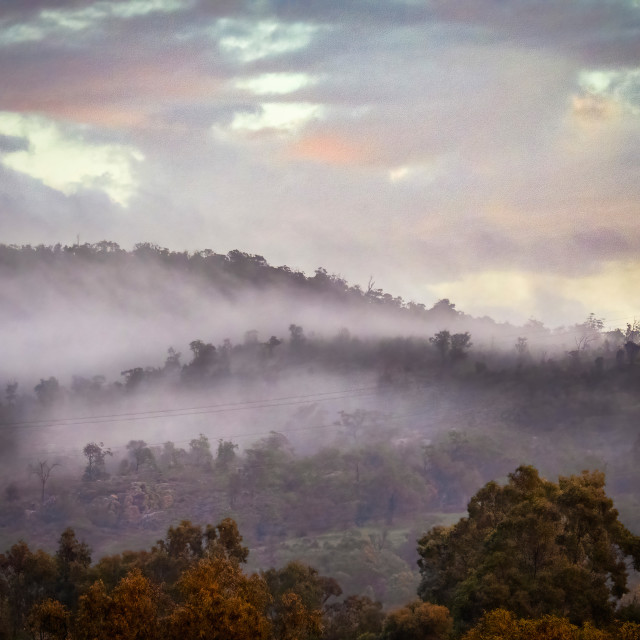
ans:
x=101 y=319
x=102 y=316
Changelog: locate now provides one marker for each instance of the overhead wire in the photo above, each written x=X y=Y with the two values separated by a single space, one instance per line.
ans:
x=195 y=411
x=428 y=409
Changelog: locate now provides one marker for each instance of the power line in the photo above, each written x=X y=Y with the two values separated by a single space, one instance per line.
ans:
x=435 y=413
x=196 y=411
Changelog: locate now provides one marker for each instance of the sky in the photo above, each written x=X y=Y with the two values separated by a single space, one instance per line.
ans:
x=486 y=151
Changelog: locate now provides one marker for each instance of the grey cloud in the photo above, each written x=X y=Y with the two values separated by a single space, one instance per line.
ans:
x=21 y=9
x=9 y=144
x=32 y=213
x=382 y=13
x=597 y=31
x=603 y=243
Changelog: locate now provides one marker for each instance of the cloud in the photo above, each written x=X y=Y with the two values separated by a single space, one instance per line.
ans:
x=65 y=161
x=275 y=83
x=522 y=294
x=594 y=31
x=11 y=144
x=418 y=172
x=613 y=86
x=247 y=40
x=107 y=90
x=75 y=18
x=282 y=117
x=332 y=150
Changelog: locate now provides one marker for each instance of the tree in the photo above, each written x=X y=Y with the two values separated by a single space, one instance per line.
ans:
x=226 y=453
x=26 y=577
x=203 y=362
x=133 y=378
x=11 y=393
x=272 y=344
x=522 y=349
x=297 y=337
x=225 y=540
x=588 y=332
x=184 y=541
x=48 y=620
x=352 y=618
x=444 y=311
x=632 y=350
x=43 y=470
x=533 y=547
x=460 y=343
x=93 y=609
x=442 y=342
x=130 y=612
x=418 y=621
x=141 y=454
x=632 y=332
x=47 y=391
x=298 y=595
x=96 y=454
x=172 y=457
x=501 y=624
x=219 y=602
x=172 y=363
x=200 y=452
x=72 y=559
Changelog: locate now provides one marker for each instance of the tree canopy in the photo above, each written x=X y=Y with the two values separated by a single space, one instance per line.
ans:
x=533 y=547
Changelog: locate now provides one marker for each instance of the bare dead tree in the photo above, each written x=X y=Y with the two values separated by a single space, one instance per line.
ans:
x=43 y=470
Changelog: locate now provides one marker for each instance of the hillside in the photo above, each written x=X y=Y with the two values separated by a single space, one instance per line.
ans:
x=333 y=440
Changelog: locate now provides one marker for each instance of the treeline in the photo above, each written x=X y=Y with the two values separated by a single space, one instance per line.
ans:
x=353 y=507
x=604 y=363
x=533 y=559
x=227 y=273
x=191 y=584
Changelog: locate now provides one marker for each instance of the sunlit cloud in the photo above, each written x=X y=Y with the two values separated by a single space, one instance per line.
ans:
x=52 y=21
x=621 y=86
x=284 y=117
x=247 y=41
x=522 y=294
x=275 y=83
x=65 y=161
x=423 y=172
x=594 y=107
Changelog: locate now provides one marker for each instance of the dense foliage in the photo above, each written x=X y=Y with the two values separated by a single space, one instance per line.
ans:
x=534 y=547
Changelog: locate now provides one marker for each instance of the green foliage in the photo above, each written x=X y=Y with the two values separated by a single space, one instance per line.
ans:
x=533 y=547
x=26 y=577
x=298 y=594
x=96 y=455
x=73 y=559
x=141 y=454
x=200 y=452
x=226 y=453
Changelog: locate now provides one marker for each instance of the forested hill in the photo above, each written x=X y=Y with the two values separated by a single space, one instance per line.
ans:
x=228 y=274
x=95 y=307
x=81 y=308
